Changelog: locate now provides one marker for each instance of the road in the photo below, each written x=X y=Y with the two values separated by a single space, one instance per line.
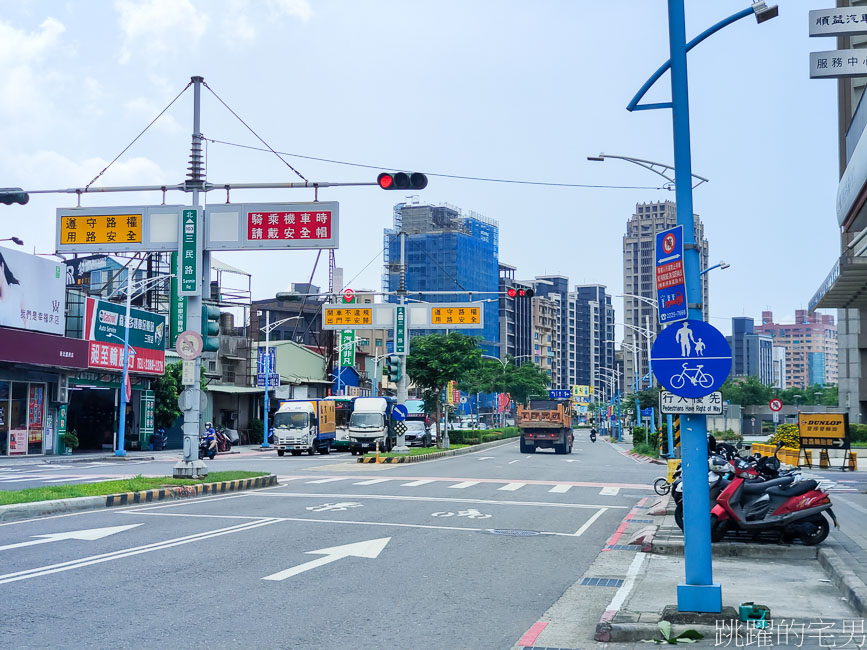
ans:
x=463 y=552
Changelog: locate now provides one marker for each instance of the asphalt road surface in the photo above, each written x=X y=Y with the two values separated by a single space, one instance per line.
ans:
x=463 y=552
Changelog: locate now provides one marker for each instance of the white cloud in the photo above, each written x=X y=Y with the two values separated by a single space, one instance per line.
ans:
x=298 y=8
x=157 y=28
x=22 y=86
x=143 y=110
x=54 y=170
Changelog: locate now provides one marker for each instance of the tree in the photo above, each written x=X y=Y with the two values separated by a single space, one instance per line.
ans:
x=166 y=389
x=746 y=391
x=526 y=380
x=437 y=359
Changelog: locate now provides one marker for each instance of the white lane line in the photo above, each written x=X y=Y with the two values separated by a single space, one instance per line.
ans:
x=326 y=480
x=514 y=461
x=560 y=489
x=394 y=497
x=372 y=481
x=511 y=487
x=417 y=483
x=621 y=594
x=463 y=484
x=116 y=555
x=609 y=491
x=590 y=521
x=26 y=477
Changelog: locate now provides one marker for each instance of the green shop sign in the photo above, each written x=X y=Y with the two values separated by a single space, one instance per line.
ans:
x=106 y=323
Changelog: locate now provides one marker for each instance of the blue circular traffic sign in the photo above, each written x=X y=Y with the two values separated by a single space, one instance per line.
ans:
x=399 y=412
x=691 y=358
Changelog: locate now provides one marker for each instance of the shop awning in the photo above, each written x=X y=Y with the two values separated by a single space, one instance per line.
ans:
x=845 y=287
x=234 y=389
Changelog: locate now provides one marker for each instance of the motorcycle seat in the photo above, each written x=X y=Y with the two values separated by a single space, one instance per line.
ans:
x=799 y=488
x=756 y=487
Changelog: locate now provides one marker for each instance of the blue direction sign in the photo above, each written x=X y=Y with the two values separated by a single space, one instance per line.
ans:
x=559 y=393
x=670 y=277
x=691 y=359
x=399 y=412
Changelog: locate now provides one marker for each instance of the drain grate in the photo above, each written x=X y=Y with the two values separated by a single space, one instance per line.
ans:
x=641 y=521
x=514 y=533
x=602 y=582
x=623 y=547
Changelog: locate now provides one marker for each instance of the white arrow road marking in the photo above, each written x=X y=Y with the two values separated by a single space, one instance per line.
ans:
x=609 y=491
x=570 y=460
x=89 y=535
x=486 y=457
x=369 y=549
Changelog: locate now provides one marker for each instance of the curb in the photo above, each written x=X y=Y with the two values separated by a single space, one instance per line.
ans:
x=17 y=511
x=437 y=454
x=740 y=549
x=849 y=584
x=637 y=632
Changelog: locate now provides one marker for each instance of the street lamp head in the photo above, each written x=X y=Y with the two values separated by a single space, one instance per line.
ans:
x=16 y=240
x=723 y=265
x=599 y=158
x=764 y=12
x=289 y=296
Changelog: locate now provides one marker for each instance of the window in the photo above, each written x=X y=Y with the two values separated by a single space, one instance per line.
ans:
x=379 y=343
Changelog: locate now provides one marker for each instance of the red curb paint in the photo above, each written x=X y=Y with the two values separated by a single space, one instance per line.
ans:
x=608 y=616
x=529 y=639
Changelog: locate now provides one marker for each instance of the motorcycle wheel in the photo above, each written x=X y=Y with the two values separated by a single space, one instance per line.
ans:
x=678 y=515
x=822 y=530
x=661 y=486
x=717 y=528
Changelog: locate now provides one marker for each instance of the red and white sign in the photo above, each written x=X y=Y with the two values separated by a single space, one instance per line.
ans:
x=669 y=275
x=110 y=357
x=776 y=405
x=348 y=295
x=668 y=243
x=289 y=226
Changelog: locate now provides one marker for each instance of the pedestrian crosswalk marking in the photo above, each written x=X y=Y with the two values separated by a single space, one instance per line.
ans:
x=560 y=489
x=464 y=484
x=417 y=483
x=372 y=481
x=326 y=480
x=609 y=491
x=511 y=487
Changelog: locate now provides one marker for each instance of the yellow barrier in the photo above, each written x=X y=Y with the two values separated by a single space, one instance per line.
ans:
x=853 y=461
x=824 y=461
x=672 y=465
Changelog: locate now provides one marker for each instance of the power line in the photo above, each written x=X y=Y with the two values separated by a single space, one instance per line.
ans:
x=440 y=175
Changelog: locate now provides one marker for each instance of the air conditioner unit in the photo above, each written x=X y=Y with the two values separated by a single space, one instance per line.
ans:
x=62 y=389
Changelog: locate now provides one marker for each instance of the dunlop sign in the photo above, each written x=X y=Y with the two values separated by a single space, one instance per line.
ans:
x=824 y=430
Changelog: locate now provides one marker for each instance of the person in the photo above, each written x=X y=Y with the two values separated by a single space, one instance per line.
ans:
x=685 y=337
x=593 y=434
x=211 y=437
x=711 y=444
x=699 y=348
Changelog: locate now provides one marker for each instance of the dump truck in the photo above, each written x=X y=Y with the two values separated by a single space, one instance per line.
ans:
x=546 y=424
x=304 y=425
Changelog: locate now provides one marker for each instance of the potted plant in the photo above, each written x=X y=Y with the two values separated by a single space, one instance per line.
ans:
x=70 y=441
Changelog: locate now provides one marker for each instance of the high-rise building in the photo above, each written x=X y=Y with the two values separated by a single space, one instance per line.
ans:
x=779 y=353
x=446 y=250
x=752 y=353
x=593 y=345
x=546 y=335
x=556 y=288
x=811 y=347
x=639 y=269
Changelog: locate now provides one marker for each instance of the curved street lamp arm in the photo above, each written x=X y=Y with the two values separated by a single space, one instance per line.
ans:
x=652 y=166
x=634 y=106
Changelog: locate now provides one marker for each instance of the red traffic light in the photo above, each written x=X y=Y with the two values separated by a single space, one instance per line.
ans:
x=402 y=181
x=512 y=292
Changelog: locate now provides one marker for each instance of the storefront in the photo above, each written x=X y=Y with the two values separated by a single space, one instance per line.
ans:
x=94 y=399
x=34 y=369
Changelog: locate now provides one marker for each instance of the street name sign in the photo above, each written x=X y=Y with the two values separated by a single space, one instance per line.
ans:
x=189 y=254
x=400 y=330
x=841 y=21
x=347 y=348
x=670 y=278
x=247 y=226
x=671 y=404
x=692 y=359
x=564 y=393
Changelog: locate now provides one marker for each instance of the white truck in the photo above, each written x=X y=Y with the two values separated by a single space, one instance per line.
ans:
x=371 y=422
x=304 y=425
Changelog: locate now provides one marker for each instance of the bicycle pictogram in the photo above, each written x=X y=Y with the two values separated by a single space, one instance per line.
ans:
x=470 y=513
x=698 y=378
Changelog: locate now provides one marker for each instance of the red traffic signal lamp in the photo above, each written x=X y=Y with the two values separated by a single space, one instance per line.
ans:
x=512 y=292
x=402 y=181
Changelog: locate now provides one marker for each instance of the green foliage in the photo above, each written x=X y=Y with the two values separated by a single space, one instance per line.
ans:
x=475 y=436
x=648 y=398
x=788 y=434
x=256 y=431
x=726 y=436
x=495 y=377
x=749 y=391
x=70 y=439
x=166 y=390
x=645 y=450
x=858 y=432
x=687 y=636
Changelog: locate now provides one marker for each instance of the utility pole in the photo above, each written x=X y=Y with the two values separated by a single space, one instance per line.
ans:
x=403 y=382
x=190 y=466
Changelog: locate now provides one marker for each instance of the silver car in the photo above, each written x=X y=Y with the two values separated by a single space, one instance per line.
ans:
x=417 y=435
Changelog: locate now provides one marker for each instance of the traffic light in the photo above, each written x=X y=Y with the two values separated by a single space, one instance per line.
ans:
x=10 y=195
x=402 y=181
x=210 y=328
x=520 y=293
x=392 y=368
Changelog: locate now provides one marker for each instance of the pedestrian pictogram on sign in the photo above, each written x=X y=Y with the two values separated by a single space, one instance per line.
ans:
x=691 y=359
x=776 y=404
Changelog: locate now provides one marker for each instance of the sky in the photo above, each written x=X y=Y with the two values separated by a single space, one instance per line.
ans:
x=491 y=88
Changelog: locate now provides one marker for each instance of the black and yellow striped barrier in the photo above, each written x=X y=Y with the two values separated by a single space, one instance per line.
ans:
x=183 y=491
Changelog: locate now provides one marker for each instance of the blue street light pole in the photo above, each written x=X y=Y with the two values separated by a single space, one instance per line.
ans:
x=698 y=593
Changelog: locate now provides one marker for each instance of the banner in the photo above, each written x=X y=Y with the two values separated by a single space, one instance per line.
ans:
x=110 y=357
x=32 y=292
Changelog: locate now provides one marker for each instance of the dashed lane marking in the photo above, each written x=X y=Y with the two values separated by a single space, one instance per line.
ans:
x=325 y=480
x=372 y=481
x=609 y=491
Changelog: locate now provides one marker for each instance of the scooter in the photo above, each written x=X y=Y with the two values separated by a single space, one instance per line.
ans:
x=205 y=449
x=593 y=435
x=719 y=469
x=224 y=444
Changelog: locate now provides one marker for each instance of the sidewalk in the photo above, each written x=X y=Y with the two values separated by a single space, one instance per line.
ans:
x=107 y=455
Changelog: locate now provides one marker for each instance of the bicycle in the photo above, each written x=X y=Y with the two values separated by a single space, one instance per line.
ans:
x=699 y=378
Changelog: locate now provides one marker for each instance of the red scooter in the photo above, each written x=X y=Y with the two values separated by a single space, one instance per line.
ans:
x=794 y=509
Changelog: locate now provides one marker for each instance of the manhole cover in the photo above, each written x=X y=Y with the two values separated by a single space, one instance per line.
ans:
x=514 y=533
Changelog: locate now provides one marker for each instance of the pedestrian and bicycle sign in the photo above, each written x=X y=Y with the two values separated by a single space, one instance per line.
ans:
x=692 y=359
x=670 y=278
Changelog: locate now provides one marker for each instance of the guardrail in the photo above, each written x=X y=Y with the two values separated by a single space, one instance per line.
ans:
x=791 y=456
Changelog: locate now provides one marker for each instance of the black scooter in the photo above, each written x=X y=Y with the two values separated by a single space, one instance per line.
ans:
x=593 y=435
x=205 y=449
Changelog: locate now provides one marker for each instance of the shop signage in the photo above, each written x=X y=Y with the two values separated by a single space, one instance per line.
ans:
x=824 y=430
x=146 y=423
x=90 y=379
x=61 y=419
x=835 y=64
x=17 y=442
x=347 y=348
x=19 y=346
x=109 y=356
x=34 y=293
x=78 y=270
x=105 y=322
x=841 y=21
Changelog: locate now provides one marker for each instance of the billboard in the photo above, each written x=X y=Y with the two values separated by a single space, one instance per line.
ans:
x=104 y=327
x=32 y=292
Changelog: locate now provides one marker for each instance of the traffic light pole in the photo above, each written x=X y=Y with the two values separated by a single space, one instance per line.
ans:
x=403 y=381
x=191 y=466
